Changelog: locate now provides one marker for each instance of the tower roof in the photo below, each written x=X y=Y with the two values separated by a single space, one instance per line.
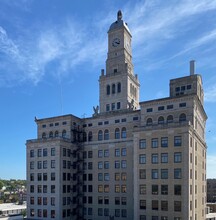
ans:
x=119 y=23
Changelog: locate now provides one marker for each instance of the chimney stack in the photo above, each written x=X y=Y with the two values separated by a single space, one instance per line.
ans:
x=192 y=67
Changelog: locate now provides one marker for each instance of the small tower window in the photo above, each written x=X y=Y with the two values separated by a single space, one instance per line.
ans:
x=106 y=134
x=56 y=134
x=119 y=88
x=123 y=133
x=115 y=70
x=63 y=133
x=51 y=134
x=170 y=119
x=149 y=122
x=161 y=120
x=113 y=88
x=117 y=133
x=182 y=117
x=108 y=90
x=100 y=135
x=90 y=136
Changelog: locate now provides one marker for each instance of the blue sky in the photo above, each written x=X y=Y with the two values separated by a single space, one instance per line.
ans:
x=51 y=54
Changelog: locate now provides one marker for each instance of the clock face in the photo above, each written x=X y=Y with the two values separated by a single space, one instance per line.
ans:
x=115 y=42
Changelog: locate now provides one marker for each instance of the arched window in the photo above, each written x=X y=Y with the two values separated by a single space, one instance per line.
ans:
x=44 y=135
x=117 y=133
x=100 y=135
x=149 y=121
x=63 y=133
x=56 y=134
x=170 y=119
x=161 y=120
x=113 y=88
x=108 y=89
x=90 y=136
x=182 y=117
x=119 y=88
x=51 y=134
x=106 y=134
x=123 y=133
x=84 y=136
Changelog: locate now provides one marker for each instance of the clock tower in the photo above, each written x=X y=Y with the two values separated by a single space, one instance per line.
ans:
x=119 y=87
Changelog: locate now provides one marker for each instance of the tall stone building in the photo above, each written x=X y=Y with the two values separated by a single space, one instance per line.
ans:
x=130 y=160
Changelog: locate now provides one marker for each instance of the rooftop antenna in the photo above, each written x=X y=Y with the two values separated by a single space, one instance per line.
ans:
x=192 y=67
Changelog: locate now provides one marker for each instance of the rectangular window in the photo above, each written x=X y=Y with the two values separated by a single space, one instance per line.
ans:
x=45 y=164
x=123 y=176
x=107 y=107
x=118 y=105
x=100 y=176
x=31 y=153
x=154 y=174
x=106 y=164
x=142 y=144
x=52 y=176
x=177 y=157
x=154 y=158
x=188 y=87
x=100 y=199
x=164 y=142
x=143 y=189
x=124 y=152
x=123 y=200
x=52 y=163
x=135 y=118
x=106 y=188
x=164 y=158
x=177 y=173
x=117 y=188
x=149 y=110
x=160 y=108
x=113 y=106
x=117 y=164
x=106 y=153
x=52 y=151
x=183 y=104
x=117 y=152
x=39 y=176
x=39 y=153
x=100 y=165
x=31 y=176
x=142 y=158
x=164 y=173
x=123 y=189
x=169 y=106
x=100 y=153
x=142 y=174
x=164 y=189
x=154 y=204
x=123 y=164
x=117 y=176
x=164 y=205
x=117 y=200
x=154 y=189
x=177 y=190
x=143 y=204
x=89 y=154
x=52 y=188
x=106 y=177
x=44 y=176
x=100 y=188
x=124 y=213
x=177 y=141
x=45 y=152
x=117 y=212
x=177 y=206
x=32 y=165
x=39 y=165
x=154 y=142
x=123 y=120
x=90 y=165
